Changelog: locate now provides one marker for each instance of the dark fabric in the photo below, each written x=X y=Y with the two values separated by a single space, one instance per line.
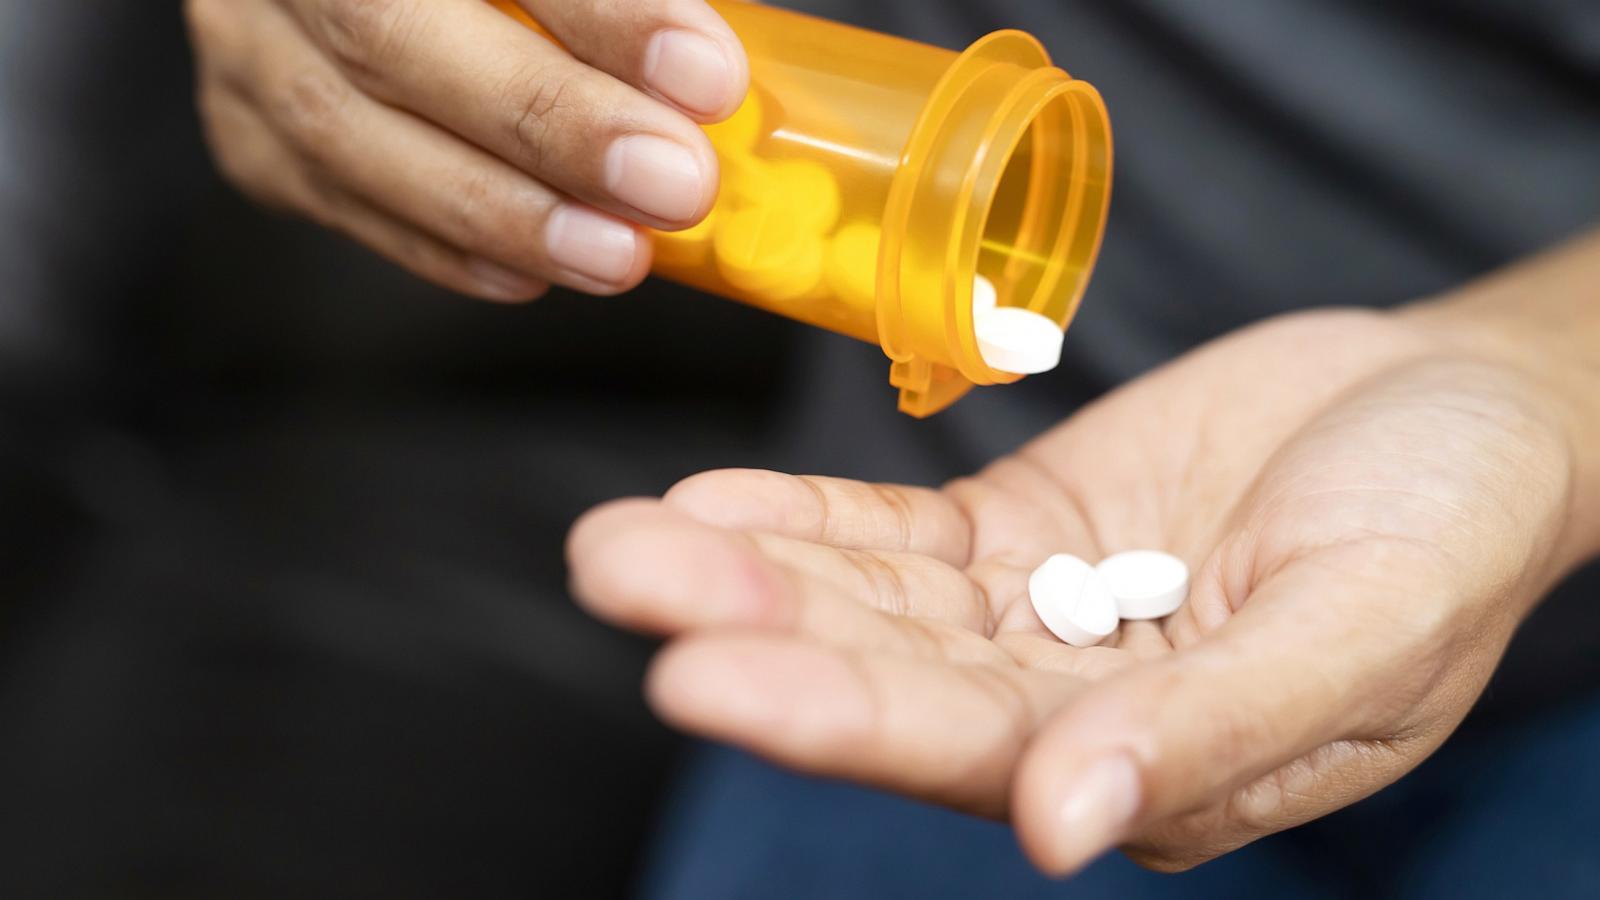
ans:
x=1510 y=814
x=282 y=609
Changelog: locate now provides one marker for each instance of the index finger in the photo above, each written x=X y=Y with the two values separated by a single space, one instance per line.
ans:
x=839 y=512
x=678 y=50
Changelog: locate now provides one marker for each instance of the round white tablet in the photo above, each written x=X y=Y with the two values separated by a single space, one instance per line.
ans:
x=1073 y=601
x=1012 y=339
x=1148 y=584
x=984 y=296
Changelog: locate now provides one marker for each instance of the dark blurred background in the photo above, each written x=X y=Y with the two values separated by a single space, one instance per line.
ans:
x=282 y=605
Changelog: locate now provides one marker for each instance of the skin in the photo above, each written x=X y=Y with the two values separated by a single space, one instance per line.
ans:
x=1370 y=503
x=372 y=118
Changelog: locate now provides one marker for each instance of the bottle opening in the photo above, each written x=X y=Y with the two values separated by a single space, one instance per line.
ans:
x=1044 y=222
x=1007 y=175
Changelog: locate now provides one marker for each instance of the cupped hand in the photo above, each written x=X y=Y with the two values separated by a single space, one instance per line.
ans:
x=1368 y=511
x=464 y=146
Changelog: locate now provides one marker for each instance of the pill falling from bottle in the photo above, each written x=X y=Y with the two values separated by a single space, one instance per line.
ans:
x=1073 y=600
x=1082 y=604
x=1010 y=338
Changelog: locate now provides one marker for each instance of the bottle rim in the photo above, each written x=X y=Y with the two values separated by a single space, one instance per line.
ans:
x=1062 y=224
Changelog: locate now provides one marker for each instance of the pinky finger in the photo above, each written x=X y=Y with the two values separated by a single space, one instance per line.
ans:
x=422 y=254
x=252 y=156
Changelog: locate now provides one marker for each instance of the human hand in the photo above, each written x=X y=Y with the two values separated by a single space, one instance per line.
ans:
x=462 y=145
x=1369 y=505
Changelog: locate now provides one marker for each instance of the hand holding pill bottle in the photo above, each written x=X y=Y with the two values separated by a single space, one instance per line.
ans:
x=868 y=182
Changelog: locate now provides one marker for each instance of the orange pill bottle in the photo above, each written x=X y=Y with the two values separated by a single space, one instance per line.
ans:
x=867 y=179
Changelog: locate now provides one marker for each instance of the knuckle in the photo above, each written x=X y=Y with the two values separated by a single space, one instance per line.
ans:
x=362 y=33
x=475 y=208
x=488 y=221
x=544 y=101
x=1258 y=807
x=311 y=108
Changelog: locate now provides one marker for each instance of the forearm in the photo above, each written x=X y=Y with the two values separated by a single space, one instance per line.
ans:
x=1543 y=316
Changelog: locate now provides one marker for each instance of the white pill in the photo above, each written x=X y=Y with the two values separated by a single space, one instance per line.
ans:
x=1147 y=584
x=1073 y=601
x=984 y=296
x=1016 y=340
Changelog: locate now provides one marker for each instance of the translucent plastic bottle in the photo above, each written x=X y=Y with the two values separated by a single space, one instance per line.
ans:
x=867 y=179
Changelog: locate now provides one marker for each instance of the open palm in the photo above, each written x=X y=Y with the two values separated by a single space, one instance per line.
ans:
x=1368 y=513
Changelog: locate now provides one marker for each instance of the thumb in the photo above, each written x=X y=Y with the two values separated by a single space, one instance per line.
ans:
x=1182 y=732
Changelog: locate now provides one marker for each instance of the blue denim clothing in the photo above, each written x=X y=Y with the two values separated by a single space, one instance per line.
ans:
x=1509 y=814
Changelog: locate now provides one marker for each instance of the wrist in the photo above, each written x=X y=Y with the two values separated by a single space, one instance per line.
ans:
x=1541 y=320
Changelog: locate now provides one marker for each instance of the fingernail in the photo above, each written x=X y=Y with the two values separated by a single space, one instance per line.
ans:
x=588 y=243
x=499 y=281
x=656 y=176
x=689 y=69
x=1098 y=808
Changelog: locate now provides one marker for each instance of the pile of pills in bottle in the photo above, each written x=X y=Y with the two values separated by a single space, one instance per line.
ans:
x=775 y=230
x=779 y=233
x=1082 y=604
